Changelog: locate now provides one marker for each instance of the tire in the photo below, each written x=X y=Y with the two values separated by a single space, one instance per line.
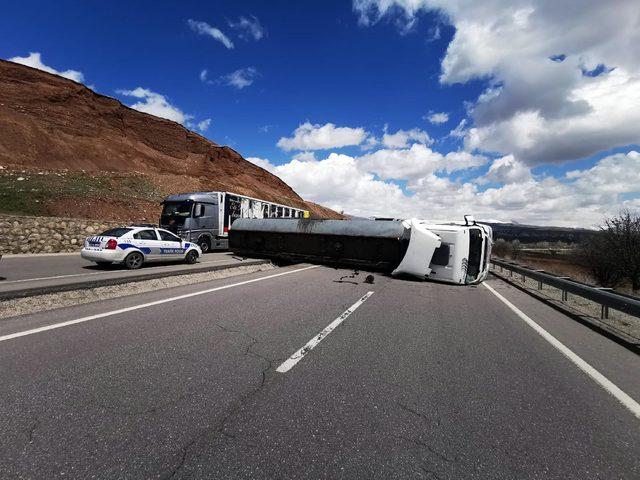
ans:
x=103 y=264
x=191 y=258
x=205 y=244
x=133 y=261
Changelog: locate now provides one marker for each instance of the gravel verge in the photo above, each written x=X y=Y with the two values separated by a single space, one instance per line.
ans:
x=39 y=303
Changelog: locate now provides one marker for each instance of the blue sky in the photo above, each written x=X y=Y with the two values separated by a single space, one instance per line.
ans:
x=334 y=76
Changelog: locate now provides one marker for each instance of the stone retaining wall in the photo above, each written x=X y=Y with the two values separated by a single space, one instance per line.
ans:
x=20 y=234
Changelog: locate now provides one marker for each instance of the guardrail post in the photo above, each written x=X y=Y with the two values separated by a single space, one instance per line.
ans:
x=511 y=273
x=565 y=294
x=604 y=312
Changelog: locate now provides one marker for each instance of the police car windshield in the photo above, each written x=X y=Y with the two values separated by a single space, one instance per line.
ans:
x=177 y=209
x=115 y=232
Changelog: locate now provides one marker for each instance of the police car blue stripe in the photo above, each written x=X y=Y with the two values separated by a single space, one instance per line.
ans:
x=144 y=250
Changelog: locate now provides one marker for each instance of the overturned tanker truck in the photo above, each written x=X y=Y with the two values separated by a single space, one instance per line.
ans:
x=449 y=252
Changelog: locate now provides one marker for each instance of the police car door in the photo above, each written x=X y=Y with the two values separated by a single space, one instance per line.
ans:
x=147 y=242
x=170 y=246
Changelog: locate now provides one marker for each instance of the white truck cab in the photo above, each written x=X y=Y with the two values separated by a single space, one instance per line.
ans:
x=463 y=254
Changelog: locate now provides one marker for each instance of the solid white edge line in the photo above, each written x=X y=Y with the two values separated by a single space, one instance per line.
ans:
x=603 y=381
x=311 y=344
x=143 y=305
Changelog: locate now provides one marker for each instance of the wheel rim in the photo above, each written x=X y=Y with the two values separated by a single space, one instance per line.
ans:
x=192 y=256
x=204 y=246
x=134 y=260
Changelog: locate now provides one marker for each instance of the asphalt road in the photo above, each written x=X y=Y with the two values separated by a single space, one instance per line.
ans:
x=41 y=271
x=417 y=380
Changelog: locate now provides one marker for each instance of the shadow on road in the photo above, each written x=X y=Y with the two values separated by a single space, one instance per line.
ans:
x=122 y=268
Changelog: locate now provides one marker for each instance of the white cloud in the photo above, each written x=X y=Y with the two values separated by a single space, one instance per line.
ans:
x=204 y=125
x=415 y=162
x=611 y=120
x=348 y=183
x=240 y=78
x=320 y=137
x=34 y=60
x=157 y=104
x=539 y=105
x=204 y=76
x=507 y=170
x=338 y=183
x=305 y=156
x=262 y=163
x=203 y=28
x=370 y=143
x=438 y=118
x=248 y=28
x=402 y=138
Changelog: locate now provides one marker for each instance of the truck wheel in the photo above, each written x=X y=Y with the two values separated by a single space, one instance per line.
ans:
x=191 y=258
x=133 y=261
x=204 y=244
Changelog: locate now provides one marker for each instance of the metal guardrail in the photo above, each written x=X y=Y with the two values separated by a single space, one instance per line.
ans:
x=606 y=298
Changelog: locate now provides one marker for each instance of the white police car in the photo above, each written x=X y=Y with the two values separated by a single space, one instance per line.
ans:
x=132 y=246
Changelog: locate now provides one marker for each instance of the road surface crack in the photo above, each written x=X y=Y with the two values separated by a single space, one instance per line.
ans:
x=429 y=473
x=32 y=431
x=413 y=411
x=219 y=429
x=421 y=444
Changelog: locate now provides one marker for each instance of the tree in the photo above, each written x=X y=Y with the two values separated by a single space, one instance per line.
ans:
x=595 y=253
x=501 y=248
x=622 y=238
x=516 y=249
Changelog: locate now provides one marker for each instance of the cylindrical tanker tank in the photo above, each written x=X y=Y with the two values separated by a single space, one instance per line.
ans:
x=401 y=248
x=376 y=245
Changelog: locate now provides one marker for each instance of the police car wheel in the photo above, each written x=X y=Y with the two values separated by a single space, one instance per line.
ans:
x=192 y=257
x=133 y=261
x=204 y=244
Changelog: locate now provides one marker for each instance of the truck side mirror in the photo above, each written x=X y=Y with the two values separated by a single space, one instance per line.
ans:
x=199 y=210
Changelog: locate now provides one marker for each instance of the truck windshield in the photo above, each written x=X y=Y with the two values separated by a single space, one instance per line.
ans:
x=475 y=254
x=175 y=213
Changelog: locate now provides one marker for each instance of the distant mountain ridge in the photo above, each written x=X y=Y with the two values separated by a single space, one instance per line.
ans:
x=534 y=233
x=50 y=123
